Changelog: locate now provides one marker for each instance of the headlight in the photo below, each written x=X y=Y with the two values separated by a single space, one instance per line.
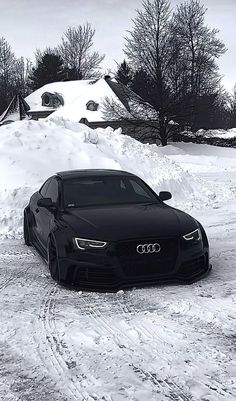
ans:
x=193 y=236
x=83 y=243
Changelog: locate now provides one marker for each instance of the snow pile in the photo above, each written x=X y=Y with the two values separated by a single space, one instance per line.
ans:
x=31 y=151
x=217 y=133
x=201 y=158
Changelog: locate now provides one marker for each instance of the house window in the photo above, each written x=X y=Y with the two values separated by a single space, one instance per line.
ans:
x=92 y=106
x=46 y=100
x=53 y=100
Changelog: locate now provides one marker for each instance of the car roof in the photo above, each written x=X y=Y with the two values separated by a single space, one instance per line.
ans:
x=91 y=173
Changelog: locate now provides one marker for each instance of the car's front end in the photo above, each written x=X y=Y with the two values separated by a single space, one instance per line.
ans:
x=100 y=264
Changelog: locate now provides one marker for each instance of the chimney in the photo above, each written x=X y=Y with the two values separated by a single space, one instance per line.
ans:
x=107 y=77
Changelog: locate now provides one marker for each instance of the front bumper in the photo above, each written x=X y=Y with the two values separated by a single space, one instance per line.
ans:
x=107 y=271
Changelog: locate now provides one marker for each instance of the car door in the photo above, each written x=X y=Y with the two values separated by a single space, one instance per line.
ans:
x=35 y=210
x=44 y=217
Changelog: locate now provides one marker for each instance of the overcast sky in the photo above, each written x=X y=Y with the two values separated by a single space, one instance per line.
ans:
x=31 y=24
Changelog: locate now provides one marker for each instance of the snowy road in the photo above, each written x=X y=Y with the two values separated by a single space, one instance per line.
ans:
x=164 y=343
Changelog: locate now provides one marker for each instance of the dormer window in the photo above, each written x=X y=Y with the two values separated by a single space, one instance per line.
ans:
x=53 y=100
x=92 y=106
x=46 y=100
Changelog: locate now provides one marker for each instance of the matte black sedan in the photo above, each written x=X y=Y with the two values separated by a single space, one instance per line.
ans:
x=108 y=229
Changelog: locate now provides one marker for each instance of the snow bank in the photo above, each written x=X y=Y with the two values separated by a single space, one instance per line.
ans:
x=217 y=133
x=199 y=158
x=31 y=151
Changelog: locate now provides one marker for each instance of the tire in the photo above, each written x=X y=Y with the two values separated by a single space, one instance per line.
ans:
x=53 y=259
x=27 y=231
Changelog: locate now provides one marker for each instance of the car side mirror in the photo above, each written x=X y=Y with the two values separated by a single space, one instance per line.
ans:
x=47 y=203
x=165 y=195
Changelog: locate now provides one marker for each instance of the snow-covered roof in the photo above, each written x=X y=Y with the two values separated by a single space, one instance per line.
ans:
x=76 y=95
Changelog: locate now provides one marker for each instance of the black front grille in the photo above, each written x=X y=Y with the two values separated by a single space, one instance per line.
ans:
x=85 y=275
x=147 y=264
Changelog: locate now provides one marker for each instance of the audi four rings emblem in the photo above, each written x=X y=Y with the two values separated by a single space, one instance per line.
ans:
x=148 y=248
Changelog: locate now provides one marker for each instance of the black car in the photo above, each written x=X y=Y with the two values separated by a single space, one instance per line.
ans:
x=109 y=229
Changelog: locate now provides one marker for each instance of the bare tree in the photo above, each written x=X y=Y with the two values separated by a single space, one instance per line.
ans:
x=149 y=51
x=14 y=75
x=7 y=71
x=198 y=45
x=140 y=115
x=77 y=54
x=22 y=76
x=197 y=48
x=174 y=55
x=232 y=106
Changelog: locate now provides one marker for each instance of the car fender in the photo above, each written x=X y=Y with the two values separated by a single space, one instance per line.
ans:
x=63 y=239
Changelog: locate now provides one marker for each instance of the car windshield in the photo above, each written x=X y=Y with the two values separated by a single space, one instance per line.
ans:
x=106 y=190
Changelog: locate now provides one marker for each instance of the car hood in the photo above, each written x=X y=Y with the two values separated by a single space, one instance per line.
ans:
x=114 y=223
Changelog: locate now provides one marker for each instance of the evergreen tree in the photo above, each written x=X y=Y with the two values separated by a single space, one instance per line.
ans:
x=49 y=69
x=124 y=74
x=143 y=85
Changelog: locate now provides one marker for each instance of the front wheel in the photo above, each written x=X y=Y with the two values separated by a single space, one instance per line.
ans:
x=53 y=259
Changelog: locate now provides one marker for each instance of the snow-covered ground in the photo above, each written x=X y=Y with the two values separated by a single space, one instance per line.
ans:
x=162 y=343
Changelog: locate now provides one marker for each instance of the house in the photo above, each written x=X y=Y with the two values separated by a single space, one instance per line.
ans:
x=77 y=100
x=83 y=101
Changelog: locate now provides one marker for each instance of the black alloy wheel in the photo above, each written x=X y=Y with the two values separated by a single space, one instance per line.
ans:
x=27 y=231
x=53 y=259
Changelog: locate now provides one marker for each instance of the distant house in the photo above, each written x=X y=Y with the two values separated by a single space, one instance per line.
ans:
x=77 y=100
x=82 y=101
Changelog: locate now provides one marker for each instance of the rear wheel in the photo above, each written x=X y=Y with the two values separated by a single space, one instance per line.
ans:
x=27 y=230
x=53 y=259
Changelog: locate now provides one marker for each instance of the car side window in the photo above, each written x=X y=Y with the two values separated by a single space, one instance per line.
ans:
x=52 y=190
x=138 y=189
x=43 y=189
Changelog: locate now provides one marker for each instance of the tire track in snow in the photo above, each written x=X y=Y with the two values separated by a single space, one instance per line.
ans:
x=9 y=274
x=144 y=332
x=55 y=353
x=147 y=334
x=162 y=384
x=214 y=385
x=168 y=383
x=48 y=345
x=22 y=380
